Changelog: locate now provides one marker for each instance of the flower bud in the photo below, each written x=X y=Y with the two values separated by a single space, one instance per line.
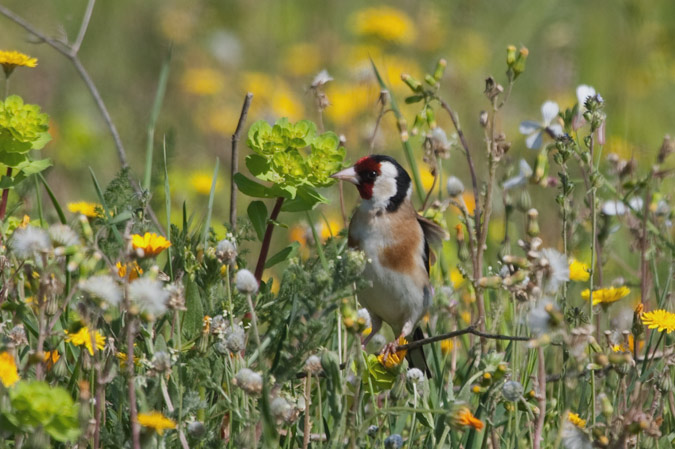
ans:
x=431 y=119
x=440 y=69
x=532 y=223
x=412 y=83
x=372 y=431
x=249 y=381
x=519 y=64
x=430 y=80
x=246 y=282
x=402 y=126
x=490 y=282
x=510 y=55
x=394 y=441
x=196 y=429
x=512 y=391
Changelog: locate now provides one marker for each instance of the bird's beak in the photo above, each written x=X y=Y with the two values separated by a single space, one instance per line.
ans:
x=348 y=174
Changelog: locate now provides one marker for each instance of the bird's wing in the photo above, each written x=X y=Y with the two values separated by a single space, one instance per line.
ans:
x=433 y=233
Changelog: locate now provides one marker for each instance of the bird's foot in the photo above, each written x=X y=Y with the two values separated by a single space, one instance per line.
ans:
x=389 y=349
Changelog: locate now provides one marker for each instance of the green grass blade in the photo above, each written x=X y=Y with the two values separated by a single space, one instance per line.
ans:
x=209 y=212
x=154 y=114
x=167 y=206
x=407 y=149
x=55 y=202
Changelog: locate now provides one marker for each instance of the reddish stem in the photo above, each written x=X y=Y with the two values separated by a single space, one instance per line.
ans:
x=262 y=258
x=5 y=195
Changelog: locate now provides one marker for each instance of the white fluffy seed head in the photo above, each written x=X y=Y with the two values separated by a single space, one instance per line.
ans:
x=103 y=287
x=415 y=376
x=246 y=282
x=29 y=242
x=149 y=295
x=454 y=186
x=249 y=381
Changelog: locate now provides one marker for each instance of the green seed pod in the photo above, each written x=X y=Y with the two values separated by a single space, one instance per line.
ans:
x=519 y=64
x=431 y=118
x=510 y=55
x=430 y=80
x=412 y=83
x=532 y=223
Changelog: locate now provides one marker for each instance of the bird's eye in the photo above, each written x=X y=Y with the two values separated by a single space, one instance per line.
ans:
x=371 y=175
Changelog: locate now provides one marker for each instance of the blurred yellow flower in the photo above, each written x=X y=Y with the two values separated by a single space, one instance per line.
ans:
x=358 y=56
x=156 y=421
x=606 y=295
x=465 y=316
x=91 y=210
x=394 y=359
x=203 y=81
x=9 y=375
x=456 y=278
x=579 y=271
x=201 y=182
x=177 y=24
x=426 y=177
x=330 y=229
x=272 y=95
x=622 y=148
x=662 y=320
x=347 y=102
x=446 y=346
x=222 y=120
x=135 y=272
x=628 y=347
x=393 y=66
x=83 y=338
x=302 y=59
x=9 y=60
x=576 y=420
x=469 y=201
x=385 y=23
x=151 y=243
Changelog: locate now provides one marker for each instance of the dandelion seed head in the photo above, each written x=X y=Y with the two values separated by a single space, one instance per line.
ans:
x=226 y=251
x=558 y=271
x=574 y=438
x=63 y=235
x=246 y=282
x=219 y=325
x=29 y=242
x=363 y=317
x=415 y=376
x=249 y=381
x=196 y=429
x=313 y=365
x=321 y=78
x=17 y=335
x=281 y=410
x=161 y=362
x=103 y=287
x=454 y=186
x=235 y=339
x=150 y=295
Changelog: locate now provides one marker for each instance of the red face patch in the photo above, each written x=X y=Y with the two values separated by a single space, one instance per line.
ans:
x=365 y=167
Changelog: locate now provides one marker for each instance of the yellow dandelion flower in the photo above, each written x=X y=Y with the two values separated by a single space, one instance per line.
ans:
x=465 y=418
x=83 y=338
x=348 y=102
x=394 y=359
x=13 y=59
x=457 y=278
x=151 y=243
x=9 y=375
x=465 y=316
x=661 y=320
x=50 y=358
x=385 y=23
x=606 y=295
x=201 y=183
x=302 y=59
x=446 y=346
x=367 y=331
x=91 y=210
x=427 y=178
x=156 y=421
x=579 y=271
x=330 y=229
x=203 y=81
x=576 y=420
x=134 y=269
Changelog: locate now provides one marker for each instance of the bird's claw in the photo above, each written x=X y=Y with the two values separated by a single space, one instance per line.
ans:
x=389 y=349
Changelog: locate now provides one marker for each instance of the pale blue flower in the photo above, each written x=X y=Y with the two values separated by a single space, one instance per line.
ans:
x=535 y=131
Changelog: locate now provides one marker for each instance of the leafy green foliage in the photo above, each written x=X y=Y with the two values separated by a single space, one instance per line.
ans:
x=280 y=157
x=37 y=405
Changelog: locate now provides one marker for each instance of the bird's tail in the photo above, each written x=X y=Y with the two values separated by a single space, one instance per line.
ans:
x=415 y=357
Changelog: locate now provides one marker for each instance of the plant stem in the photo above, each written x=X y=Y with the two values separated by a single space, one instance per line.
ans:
x=133 y=411
x=234 y=165
x=267 y=239
x=307 y=423
x=5 y=196
x=539 y=426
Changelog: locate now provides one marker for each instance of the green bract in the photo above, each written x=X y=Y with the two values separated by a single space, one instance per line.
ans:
x=22 y=128
x=281 y=157
x=36 y=405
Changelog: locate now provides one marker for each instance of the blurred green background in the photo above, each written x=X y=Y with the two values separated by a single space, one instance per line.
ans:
x=221 y=49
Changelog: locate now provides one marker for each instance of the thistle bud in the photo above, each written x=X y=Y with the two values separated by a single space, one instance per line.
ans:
x=454 y=186
x=511 y=55
x=412 y=83
x=440 y=69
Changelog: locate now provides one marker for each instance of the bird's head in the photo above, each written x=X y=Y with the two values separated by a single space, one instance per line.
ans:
x=379 y=179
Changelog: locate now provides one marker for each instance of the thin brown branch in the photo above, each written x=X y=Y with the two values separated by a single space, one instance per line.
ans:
x=234 y=166
x=267 y=239
x=468 y=330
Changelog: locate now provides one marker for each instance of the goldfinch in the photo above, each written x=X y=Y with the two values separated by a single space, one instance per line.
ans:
x=396 y=241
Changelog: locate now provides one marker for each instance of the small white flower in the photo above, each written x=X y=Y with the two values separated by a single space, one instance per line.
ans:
x=321 y=78
x=246 y=282
x=535 y=131
x=149 y=295
x=454 y=186
x=583 y=93
x=103 y=287
x=439 y=139
x=63 y=235
x=524 y=173
x=415 y=376
x=30 y=241
x=558 y=271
